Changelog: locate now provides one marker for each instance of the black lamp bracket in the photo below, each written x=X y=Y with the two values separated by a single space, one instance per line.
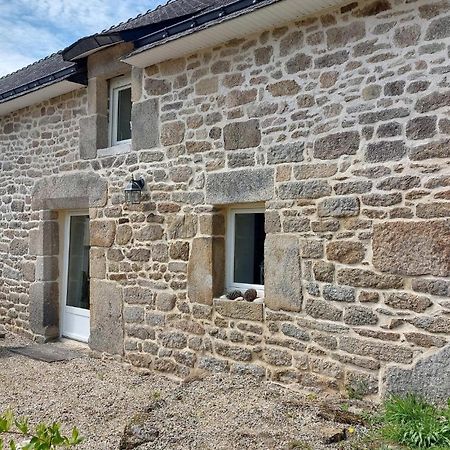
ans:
x=140 y=182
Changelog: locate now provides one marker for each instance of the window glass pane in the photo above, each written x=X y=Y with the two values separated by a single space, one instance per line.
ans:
x=78 y=271
x=249 y=248
x=123 y=114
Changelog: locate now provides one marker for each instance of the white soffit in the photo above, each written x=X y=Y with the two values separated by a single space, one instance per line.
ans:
x=39 y=95
x=247 y=24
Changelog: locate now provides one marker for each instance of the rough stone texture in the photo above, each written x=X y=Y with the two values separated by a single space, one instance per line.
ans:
x=412 y=248
x=385 y=151
x=70 y=191
x=415 y=303
x=205 y=270
x=102 y=233
x=239 y=135
x=337 y=126
x=239 y=310
x=93 y=135
x=381 y=351
x=359 y=315
x=283 y=276
x=368 y=279
x=320 y=309
x=145 y=124
x=44 y=309
x=308 y=189
x=107 y=333
x=346 y=252
x=335 y=145
x=338 y=294
x=339 y=207
x=435 y=369
x=239 y=186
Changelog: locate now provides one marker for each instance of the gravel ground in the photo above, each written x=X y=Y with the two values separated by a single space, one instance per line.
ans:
x=212 y=412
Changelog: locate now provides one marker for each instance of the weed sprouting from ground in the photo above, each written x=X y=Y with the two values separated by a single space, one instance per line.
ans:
x=415 y=423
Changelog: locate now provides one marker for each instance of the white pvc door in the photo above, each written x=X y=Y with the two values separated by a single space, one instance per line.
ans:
x=75 y=277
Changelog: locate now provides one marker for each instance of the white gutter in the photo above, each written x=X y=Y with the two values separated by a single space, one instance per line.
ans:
x=39 y=95
x=244 y=25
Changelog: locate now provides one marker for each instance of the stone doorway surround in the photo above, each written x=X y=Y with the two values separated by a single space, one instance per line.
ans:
x=81 y=190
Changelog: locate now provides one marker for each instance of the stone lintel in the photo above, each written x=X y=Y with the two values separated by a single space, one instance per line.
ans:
x=240 y=186
x=70 y=191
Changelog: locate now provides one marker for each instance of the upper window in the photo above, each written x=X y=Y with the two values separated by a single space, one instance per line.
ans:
x=120 y=110
x=245 y=249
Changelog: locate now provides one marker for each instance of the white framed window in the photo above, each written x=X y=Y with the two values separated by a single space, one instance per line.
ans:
x=245 y=249
x=119 y=110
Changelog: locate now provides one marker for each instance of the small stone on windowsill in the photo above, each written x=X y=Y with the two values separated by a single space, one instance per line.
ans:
x=258 y=300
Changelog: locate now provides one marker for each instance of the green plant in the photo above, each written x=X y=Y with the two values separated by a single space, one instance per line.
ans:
x=43 y=437
x=156 y=395
x=357 y=390
x=415 y=423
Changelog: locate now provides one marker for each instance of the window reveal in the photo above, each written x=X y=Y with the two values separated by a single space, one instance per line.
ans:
x=120 y=110
x=249 y=248
x=245 y=249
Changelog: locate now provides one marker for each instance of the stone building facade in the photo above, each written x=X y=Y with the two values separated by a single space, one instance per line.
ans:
x=337 y=125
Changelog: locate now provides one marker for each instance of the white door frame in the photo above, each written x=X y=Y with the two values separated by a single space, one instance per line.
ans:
x=64 y=239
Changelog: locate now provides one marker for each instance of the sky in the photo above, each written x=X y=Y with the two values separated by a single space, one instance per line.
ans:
x=33 y=29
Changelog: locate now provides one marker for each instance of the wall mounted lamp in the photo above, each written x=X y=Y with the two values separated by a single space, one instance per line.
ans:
x=133 y=191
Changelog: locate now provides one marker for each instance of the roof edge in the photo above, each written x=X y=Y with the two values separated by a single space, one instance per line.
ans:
x=29 y=98
x=76 y=73
x=247 y=17
x=200 y=21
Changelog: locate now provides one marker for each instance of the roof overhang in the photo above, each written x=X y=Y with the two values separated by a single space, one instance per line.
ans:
x=39 y=95
x=212 y=34
x=87 y=46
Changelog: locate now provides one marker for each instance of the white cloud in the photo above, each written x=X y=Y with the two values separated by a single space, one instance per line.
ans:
x=33 y=29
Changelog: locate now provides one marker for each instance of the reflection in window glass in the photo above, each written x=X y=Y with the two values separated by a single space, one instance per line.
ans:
x=123 y=114
x=249 y=248
x=78 y=271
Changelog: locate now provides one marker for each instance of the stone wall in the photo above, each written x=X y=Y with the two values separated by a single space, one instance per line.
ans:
x=35 y=142
x=340 y=124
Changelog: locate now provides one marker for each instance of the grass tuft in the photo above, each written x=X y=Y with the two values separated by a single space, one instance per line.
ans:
x=415 y=423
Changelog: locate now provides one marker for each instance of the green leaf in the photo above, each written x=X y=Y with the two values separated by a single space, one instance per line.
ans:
x=6 y=421
x=22 y=425
x=76 y=438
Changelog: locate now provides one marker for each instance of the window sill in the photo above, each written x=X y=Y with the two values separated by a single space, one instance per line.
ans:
x=118 y=149
x=239 y=309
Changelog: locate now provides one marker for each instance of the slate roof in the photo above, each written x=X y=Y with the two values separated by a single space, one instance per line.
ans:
x=23 y=79
x=62 y=65
x=171 y=10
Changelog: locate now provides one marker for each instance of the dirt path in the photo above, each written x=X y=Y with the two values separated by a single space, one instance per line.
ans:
x=100 y=398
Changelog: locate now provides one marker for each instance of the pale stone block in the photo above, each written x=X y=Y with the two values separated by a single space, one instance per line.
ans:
x=239 y=186
x=206 y=269
x=44 y=309
x=283 y=275
x=107 y=334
